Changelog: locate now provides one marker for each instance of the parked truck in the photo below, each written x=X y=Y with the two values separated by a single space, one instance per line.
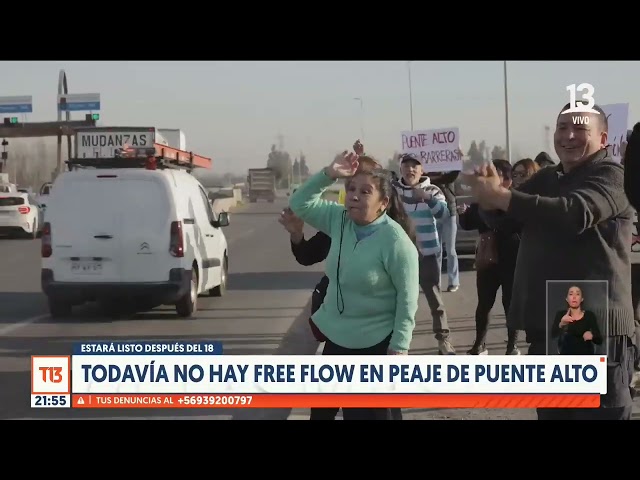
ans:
x=262 y=184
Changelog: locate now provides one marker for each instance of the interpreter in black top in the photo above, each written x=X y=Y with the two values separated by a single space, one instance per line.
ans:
x=576 y=329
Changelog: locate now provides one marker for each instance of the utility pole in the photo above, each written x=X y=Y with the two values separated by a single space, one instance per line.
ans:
x=506 y=112
x=547 y=138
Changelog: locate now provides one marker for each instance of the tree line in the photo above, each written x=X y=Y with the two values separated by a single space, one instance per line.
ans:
x=31 y=162
x=295 y=171
x=287 y=172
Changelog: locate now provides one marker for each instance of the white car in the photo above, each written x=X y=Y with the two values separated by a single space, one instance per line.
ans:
x=19 y=215
x=131 y=233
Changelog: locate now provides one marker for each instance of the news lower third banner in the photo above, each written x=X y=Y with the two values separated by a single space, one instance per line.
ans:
x=197 y=375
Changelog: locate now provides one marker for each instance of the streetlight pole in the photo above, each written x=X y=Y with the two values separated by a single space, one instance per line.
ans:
x=547 y=137
x=359 y=99
x=410 y=95
x=506 y=111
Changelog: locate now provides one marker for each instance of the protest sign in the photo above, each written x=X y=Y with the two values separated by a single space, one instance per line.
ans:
x=438 y=150
x=618 y=118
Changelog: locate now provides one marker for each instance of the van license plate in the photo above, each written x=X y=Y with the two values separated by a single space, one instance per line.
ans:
x=86 y=267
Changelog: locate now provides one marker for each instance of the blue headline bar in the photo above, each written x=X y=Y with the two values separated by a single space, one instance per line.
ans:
x=147 y=348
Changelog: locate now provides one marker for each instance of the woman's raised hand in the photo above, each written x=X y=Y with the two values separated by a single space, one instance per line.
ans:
x=358 y=148
x=566 y=319
x=344 y=165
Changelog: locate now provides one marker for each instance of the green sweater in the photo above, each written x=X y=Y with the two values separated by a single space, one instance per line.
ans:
x=378 y=281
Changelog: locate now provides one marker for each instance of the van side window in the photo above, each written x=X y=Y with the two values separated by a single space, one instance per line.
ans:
x=207 y=206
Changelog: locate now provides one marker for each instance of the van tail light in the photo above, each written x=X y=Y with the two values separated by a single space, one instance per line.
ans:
x=176 y=245
x=24 y=210
x=45 y=248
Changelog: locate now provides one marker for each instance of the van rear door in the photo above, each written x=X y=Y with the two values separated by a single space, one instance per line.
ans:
x=146 y=231
x=96 y=221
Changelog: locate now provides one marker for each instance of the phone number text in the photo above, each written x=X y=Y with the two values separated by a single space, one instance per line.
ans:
x=215 y=400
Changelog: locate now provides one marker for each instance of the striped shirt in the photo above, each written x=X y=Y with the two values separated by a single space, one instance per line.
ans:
x=425 y=214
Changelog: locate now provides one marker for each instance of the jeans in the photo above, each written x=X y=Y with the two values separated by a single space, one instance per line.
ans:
x=447 y=232
x=429 y=282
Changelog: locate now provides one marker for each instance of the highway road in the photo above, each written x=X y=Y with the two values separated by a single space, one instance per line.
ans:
x=265 y=311
x=268 y=291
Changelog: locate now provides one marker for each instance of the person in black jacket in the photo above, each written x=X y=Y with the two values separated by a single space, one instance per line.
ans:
x=543 y=159
x=632 y=167
x=631 y=161
x=307 y=252
x=499 y=274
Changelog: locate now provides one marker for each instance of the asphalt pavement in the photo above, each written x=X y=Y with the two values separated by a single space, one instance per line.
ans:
x=264 y=312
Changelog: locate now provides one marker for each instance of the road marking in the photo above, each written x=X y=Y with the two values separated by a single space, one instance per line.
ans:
x=16 y=326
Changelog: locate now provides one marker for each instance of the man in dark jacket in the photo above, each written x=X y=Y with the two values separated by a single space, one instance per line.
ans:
x=577 y=225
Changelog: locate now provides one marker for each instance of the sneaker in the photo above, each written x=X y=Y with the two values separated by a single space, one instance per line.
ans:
x=453 y=288
x=478 y=350
x=445 y=347
x=513 y=351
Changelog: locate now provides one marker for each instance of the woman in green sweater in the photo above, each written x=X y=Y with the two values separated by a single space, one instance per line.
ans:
x=372 y=298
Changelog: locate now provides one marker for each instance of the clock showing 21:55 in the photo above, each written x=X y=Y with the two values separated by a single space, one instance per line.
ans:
x=50 y=401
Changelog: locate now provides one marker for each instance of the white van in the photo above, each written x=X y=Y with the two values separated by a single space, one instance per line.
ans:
x=142 y=234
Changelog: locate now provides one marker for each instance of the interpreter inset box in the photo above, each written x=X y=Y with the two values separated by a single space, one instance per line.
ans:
x=577 y=317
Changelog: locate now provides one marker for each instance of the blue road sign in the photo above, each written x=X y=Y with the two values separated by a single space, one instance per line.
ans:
x=79 y=106
x=24 y=108
x=22 y=104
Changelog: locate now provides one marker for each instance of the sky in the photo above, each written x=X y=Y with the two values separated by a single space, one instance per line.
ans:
x=234 y=111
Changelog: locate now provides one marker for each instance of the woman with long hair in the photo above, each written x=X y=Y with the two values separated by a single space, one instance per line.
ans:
x=522 y=171
x=576 y=329
x=372 y=298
